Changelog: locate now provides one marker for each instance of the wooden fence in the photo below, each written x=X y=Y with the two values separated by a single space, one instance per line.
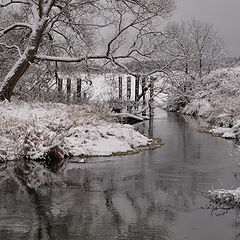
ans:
x=140 y=104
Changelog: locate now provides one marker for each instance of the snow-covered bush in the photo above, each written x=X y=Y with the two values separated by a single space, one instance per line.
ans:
x=180 y=89
x=215 y=97
x=199 y=107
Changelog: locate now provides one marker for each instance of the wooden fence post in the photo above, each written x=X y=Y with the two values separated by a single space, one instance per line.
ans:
x=59 y=86
x=79 y=89
x=151 y=100
x=150 y=128
x=144 y=94
x=120 y=87
x=128 y=94
x=68 y=90
x=136 y=91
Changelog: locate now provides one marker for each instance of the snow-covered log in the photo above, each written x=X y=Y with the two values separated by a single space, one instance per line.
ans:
x=127 y=117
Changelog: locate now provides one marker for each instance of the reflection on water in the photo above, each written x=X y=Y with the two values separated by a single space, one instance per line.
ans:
x=153 y=195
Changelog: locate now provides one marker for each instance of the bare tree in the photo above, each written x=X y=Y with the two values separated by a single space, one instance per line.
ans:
x=198 y=46
x=208 y=43
x=111 y=31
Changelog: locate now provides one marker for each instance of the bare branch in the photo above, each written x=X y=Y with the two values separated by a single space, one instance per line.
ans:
x=69 y=59
x=14 y=2
x=14 y=26
x=72 y=28
x=118 y=34
x=11 y=46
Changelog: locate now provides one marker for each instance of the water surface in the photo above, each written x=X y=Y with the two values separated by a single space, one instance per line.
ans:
x=152 y=195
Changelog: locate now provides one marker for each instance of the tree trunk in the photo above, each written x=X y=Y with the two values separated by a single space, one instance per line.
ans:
x=23 y=63
x=120 y=88
x=144 y=94
x=19 y=68
x=129 y=88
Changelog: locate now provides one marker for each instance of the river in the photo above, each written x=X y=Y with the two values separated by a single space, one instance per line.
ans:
x=155 y=194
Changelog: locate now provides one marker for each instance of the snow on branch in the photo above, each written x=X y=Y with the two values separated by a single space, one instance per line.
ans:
x=123 y=67
x=13 y=2
x=81 y=59
x=11 y=46
x=15 y=25
x=69 y=59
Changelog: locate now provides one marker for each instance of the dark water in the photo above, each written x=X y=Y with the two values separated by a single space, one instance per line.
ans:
x=153 y=195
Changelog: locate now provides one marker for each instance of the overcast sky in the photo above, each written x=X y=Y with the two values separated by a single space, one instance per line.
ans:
x=224 y=14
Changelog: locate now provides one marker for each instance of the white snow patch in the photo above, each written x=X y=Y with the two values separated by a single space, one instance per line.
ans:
x=232 y=133
x=225 y=197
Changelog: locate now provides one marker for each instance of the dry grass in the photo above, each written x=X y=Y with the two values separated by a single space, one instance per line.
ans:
x=43 y=126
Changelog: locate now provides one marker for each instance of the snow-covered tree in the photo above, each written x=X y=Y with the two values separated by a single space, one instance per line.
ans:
x=197 y=45
x=111 y=31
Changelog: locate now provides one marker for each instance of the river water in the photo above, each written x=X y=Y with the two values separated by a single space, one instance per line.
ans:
x=156 y=194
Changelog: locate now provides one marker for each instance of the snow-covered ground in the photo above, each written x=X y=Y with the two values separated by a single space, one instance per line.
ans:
x=31 y=129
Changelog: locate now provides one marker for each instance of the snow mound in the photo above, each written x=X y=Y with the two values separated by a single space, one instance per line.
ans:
x=232 y=133
x=31 y=129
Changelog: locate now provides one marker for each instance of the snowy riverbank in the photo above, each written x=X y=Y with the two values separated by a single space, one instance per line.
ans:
x=217 y=98
x=31 y=129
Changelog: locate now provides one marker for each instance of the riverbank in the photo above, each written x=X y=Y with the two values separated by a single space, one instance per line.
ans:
x=31 y=130
x=215 y=97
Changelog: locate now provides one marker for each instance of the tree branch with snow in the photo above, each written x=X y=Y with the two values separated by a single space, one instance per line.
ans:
x=71 y=31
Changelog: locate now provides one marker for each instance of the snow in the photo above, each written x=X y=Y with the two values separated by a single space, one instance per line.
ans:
x=31 y=129
x=224 y=132
x=231 y=133
x=200 y=107
x=127 y=115
x=225 y=198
